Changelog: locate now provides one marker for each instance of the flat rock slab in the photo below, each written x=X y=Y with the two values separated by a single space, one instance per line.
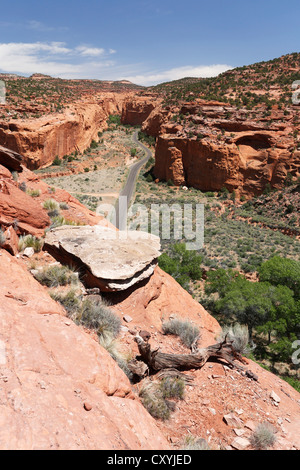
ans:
x=108 y=259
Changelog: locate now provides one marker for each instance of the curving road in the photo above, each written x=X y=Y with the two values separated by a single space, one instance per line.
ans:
x=126 y=194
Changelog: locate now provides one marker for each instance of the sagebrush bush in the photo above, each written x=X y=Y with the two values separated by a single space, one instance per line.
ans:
x=187 y=332
x=154 y=402
x=50 y=205
x=263 y=436
x=112 y=346
x=99 y=317
x=172 y=387
x=2 y=237
x=69 y=300
x=56 y=275
x=194 y=443
x=239 y=334
x=33 y=192
x=26 y=241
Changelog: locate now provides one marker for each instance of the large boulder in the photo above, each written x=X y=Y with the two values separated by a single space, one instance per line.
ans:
x=108 y=259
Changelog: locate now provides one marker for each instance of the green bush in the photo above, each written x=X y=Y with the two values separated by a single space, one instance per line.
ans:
x=57 y=161
x=281 y=271
x=182 y=264
x=50 y=205
x=26 y=241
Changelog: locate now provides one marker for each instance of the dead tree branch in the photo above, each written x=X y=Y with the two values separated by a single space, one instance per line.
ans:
x=157 y=360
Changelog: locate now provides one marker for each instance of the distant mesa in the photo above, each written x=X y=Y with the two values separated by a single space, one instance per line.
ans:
x=40 y=76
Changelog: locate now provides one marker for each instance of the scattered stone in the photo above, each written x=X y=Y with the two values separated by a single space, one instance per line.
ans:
x=275 y=397
x=239 y=432
x=87 y=406
x=127 y=318
x=250 y=425
x=232 y=420
x=240 y=443
x=212 y=410
x=28 y=252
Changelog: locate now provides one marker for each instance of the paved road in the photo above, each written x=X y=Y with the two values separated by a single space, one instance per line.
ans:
x=123 y=204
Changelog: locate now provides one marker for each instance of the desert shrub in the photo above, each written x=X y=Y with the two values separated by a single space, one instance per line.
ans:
x=26 y=241
x=57 y=161
x=172 y=387
x=99 y=317
x=56 y=275
x=109 y=342
x=194 y=443
x=59 y=220
x=22 y=186
x=50 y=205
x=263 y=436
x=239 y=334
x=33 y=192
x=154 y=402
x=187 y=332
x=114 y=119
x=63 y=206
x=68 y=300
x=2 y=237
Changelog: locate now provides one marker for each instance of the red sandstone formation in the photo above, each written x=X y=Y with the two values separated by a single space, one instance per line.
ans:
x=210 y=145
x=41 y=139
x=50 y=368
x=136 y=109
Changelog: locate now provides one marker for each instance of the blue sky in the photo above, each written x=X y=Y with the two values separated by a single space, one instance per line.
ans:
x=144 y=41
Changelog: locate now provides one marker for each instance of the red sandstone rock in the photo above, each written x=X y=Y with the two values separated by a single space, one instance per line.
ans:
x=136 y=110
x=11 y=241
x=17 y=206
x=154 y=301
x=49 y=369
x=39 y=140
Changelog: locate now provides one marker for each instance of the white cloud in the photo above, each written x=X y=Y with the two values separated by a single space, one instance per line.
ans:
x=90 y=51
x=53 y=58
x=203 y=71
x=85 y=61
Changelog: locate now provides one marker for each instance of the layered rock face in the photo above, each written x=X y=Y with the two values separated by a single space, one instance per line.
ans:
x=17 y=207
x=25 y=213
x=137 y=109
x=40 y=140
x=108 y=259
x=209 y=145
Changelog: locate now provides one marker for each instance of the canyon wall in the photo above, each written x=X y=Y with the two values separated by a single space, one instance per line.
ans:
x=40 y=140
x=210 y=145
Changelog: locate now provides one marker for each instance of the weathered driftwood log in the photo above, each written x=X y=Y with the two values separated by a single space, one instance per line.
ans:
x=157 y=360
